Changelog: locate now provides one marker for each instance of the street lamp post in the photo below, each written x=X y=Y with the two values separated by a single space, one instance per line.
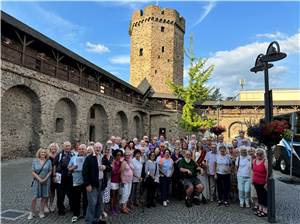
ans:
x=218 y=105
x=262 y=64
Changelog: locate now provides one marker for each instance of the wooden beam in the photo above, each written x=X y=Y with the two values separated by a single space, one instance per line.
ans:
x=57 y=58
x=24 y=44
x=81 y=68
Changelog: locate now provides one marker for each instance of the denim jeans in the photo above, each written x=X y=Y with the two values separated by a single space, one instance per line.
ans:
x=95 y=204
x=244 y=186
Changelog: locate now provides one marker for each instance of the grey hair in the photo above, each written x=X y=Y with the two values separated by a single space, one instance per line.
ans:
x=66 y=143
x=261 y=150
x=55 y=145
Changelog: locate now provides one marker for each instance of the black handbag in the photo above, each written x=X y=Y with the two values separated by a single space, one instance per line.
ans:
x=39 y=172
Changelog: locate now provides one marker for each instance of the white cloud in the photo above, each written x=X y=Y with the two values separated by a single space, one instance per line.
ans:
x=207 y=8
x=274 y=36
x=96 y=48
x=57 y=26
x=121 y=59
x=233 y=65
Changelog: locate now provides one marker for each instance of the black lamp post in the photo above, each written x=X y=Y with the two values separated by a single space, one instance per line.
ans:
x=262 y=64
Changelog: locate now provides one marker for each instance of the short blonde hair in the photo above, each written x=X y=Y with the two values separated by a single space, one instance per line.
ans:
x=38 y=153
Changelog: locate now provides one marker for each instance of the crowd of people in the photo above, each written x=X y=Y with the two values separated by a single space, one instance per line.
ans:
x=101 y=180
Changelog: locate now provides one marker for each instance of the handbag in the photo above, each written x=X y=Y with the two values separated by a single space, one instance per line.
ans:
x=39 y=172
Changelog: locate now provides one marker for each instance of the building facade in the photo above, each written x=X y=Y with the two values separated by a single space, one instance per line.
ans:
x=156 y=49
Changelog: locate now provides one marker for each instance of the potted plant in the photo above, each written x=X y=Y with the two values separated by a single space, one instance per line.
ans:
x=217 y=130
x=269 y=134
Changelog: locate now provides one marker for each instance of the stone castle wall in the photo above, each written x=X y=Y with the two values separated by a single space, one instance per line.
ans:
x=38 y=109
x=160 y=35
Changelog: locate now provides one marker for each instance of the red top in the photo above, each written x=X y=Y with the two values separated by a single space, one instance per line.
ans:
x=259 y=173
x=116 y=172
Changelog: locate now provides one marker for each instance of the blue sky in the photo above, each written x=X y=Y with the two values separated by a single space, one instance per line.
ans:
x=229 y=34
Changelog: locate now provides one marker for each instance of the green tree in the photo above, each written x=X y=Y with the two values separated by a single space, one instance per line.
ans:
x=215 y=95
x=194 y=92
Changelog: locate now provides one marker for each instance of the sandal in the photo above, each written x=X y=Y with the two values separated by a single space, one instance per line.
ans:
x=262 y=214
x=257 y=212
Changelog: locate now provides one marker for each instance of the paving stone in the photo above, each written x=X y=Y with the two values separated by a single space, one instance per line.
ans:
x=16 y=194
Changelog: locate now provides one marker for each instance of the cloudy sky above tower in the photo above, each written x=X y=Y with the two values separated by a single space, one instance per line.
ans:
x=229 y=34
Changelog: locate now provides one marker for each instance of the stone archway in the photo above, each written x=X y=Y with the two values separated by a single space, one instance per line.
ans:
x=121 y=125
x=21 y=122
x=138 y=127
x=65 y=114
x=234 y=128
x=98 y=123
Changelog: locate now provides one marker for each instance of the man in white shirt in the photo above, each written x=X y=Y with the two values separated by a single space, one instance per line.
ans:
x=210 y=164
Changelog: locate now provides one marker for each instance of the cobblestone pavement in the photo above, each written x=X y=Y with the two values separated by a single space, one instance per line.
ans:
x=16 y=194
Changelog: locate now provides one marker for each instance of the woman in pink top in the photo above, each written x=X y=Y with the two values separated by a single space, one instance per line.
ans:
x=115 y=180
x=259 y=179
x=126 y=180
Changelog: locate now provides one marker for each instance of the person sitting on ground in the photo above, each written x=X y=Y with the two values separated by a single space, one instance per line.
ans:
x=192 y=184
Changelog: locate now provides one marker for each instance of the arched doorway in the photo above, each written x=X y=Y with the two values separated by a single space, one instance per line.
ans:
x=98 y=123
x=121 y=125
x=21 y=122
x=65 y=114
x=234 y=128
x=138 y=125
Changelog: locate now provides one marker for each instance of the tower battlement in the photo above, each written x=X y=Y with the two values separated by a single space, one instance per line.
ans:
x=154 y=13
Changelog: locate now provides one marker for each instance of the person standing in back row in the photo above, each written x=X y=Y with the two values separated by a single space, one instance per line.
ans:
x=63 y=177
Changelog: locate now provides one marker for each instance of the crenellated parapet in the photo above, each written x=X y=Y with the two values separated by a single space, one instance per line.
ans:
x=153 y=13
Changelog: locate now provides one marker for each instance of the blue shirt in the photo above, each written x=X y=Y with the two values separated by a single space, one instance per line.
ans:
x=77 y=173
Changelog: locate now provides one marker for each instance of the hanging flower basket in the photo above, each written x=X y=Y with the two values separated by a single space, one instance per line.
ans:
x=269 y=134
x=217 y=130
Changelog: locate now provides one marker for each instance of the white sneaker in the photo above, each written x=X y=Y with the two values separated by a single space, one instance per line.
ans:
x=104 y=214
x=30 y=216
x=242 y=205
x=46 y=209
x=247 y=205
x=52 y=208
x=41 y=215
x=164 y=203
x=74 y=219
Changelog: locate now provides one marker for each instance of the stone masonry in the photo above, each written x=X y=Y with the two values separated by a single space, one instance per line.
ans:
x=156 y=53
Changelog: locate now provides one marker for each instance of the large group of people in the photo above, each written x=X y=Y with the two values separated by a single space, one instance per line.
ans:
x=101 y=180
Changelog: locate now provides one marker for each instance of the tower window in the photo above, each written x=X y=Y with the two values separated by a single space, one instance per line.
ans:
x=162 y=12
x=155 y=71
x=141 y=51
x=162 y=49
x=162 y=29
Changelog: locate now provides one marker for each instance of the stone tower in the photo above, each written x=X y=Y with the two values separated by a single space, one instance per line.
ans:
x=156 y=53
